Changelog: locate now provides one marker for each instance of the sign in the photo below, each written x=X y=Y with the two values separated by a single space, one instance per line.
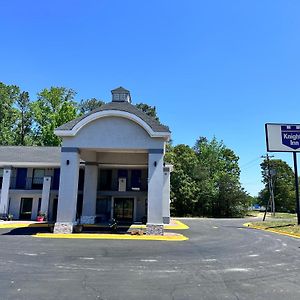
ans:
x=283 y=137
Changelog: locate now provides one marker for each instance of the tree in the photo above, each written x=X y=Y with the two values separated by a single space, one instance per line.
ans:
x=184 y=189
x=54 y=107
x=205 y=180
x=8 y=113
x=88 y=105
x=23 y=134
x=221 y=193
x=148 y=109
x=283 y=184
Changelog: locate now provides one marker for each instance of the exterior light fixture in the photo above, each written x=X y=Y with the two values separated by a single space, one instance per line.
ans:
x=155 y=164
x=68 y=162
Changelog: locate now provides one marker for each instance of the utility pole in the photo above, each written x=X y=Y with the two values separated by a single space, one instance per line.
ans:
x=270 y=184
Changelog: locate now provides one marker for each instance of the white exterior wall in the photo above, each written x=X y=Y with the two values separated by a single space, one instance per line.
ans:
x=166 y=196
x=89 y=194
x=155 y=188
x=68 y=187
x=4 y=198
x=46 y=194
x=15 y=202
x=113 y=133
x=124 y=158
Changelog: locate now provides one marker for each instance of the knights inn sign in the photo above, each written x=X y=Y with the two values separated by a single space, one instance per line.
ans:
x=285 y=138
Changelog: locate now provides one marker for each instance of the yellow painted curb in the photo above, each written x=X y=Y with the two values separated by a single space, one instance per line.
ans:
x=170 y=238
x=272 y=230
x=22 y=225
x=179 y=226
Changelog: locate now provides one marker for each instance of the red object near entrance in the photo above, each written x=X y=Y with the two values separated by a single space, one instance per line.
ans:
x=40 y=219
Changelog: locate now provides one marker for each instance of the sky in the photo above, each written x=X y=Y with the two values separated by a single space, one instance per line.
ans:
x=211 y=68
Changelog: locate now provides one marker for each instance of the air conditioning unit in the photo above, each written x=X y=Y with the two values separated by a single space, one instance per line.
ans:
x=122 y=184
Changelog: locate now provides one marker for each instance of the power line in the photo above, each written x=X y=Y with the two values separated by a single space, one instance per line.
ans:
x=250 y=162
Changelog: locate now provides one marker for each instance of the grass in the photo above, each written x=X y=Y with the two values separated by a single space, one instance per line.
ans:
x=284 y=216
x=253 y=213
x=278 y=215
x=287 y=226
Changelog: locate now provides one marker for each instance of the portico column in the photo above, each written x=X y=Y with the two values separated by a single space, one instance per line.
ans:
x=166 y=196
x=4 y=200
x=68 y=188
x=45 y=195
x=155 y=192
x=89 y=193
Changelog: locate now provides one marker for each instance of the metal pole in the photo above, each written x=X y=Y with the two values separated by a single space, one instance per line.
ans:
x=296 y=186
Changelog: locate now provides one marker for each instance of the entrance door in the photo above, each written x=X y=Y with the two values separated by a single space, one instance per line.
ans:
x=123 y=210
x=26 y=209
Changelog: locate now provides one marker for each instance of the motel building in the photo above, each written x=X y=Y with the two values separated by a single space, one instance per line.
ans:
x=110 y=165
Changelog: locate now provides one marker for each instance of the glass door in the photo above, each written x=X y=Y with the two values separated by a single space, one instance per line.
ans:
x=123 y=210
x=26 y=209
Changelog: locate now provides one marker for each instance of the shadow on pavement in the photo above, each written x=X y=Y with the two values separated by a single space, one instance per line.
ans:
x=32 y=230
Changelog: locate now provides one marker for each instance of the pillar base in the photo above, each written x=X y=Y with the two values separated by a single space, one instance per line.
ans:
x=155 y=229
x=166 y=220
x=63 y=227
x=87 y=220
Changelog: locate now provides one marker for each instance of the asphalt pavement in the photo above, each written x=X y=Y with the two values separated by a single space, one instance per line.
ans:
x=221 y=260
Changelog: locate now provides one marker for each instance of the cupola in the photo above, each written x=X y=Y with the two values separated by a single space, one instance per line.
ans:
x=120 y=95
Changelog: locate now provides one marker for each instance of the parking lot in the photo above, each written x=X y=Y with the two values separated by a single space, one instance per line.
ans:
x=221 y=260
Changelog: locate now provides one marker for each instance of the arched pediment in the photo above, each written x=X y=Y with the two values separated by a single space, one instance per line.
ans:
x=111 y=113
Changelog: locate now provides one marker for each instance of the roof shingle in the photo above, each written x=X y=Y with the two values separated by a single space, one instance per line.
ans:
x=121 y=106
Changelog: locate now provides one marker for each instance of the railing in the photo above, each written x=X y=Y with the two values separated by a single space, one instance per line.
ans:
x=36 y=183
x=28 y=183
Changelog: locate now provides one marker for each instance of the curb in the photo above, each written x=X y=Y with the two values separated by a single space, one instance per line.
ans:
x=250 y=225
x=170 y=238
x=179 y=226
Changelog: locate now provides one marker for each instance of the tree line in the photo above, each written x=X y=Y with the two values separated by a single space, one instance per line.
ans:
x=283 y=185
x=206 y=180
x=206 y=177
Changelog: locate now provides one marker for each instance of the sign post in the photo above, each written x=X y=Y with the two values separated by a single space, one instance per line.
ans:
x=296 y=186
x=285 y=138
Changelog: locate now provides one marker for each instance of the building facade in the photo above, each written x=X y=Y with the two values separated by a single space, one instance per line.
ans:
x=111 y=165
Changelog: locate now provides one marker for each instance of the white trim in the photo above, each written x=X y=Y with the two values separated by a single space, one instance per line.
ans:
x=111 y=113
x=28 y=164
x=115 y=166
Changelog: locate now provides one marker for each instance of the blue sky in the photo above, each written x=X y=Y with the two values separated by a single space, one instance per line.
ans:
x=221 y=68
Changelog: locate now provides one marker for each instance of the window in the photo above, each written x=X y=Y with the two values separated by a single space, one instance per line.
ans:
x=38 y=178
x=105 y=179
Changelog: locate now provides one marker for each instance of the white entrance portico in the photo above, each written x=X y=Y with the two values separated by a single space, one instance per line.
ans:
x=122 y=150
